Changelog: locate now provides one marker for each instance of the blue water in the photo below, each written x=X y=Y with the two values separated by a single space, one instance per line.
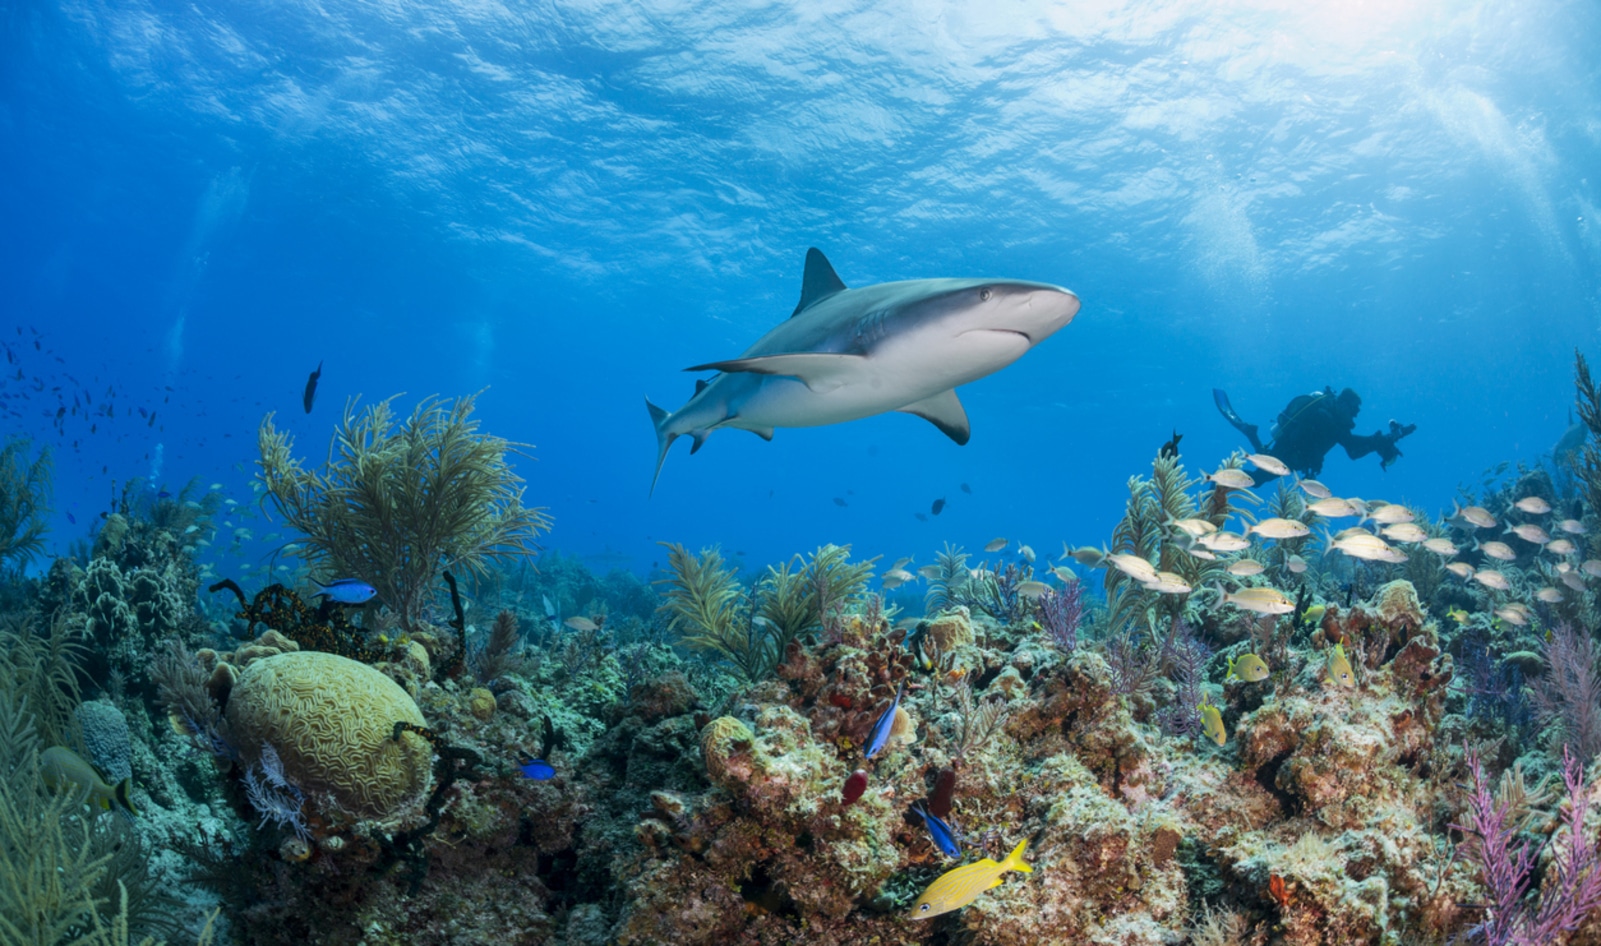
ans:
x=565 y=204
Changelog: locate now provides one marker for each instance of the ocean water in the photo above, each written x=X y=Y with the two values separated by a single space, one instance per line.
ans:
x=564 y=205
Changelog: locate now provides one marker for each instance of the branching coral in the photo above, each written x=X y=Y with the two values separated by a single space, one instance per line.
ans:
x=400 y=501
x=1506 y=866
x=711 y=610
x=499 y=654
x=24 y=495
x=943 y=589
x=43 y=668
x=1570 y=693
x=1146 y=531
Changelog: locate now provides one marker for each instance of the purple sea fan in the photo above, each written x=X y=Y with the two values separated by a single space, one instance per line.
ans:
x=1570 y=692
x=1060 y=613
x=1573 y=881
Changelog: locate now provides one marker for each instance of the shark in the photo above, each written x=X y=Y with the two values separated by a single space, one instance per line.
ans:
x=845 y=354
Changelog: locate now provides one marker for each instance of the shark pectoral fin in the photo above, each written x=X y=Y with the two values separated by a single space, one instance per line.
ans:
x=820 y=371
x=818 y=282
x=944 y=410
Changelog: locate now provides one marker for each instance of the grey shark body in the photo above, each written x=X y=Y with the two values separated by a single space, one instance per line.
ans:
x=845 y=354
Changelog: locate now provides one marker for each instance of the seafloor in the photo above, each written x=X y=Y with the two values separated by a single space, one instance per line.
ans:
x=314 y=772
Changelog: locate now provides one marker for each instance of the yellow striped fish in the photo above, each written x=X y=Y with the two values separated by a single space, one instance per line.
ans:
x=957 y=888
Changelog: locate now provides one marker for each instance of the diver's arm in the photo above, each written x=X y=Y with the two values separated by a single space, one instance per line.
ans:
x=1357 y=446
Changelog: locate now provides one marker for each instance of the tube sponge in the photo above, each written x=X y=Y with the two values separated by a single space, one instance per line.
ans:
x=332 y=722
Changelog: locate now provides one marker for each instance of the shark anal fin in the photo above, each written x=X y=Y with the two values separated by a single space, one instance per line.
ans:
x=818 y=282
x=944 y=410
x=766 y=433
x=820 y=371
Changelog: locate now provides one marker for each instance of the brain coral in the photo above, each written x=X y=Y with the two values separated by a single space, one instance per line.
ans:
x=332 y=719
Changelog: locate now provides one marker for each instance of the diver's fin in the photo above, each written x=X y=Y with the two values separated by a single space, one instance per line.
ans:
x=658 y=417
x=1221 y=399
x=818 y=282
x=944 y=410
x=821 y=371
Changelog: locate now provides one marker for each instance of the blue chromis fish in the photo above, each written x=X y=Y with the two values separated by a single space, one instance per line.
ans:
x=347 y=590
x=1340 y=668
x=881 y=729
x=1212 y=722
x=944 y=838
x=1249 y=667
x=537 y=769
x=957 y=888
x=65 y=770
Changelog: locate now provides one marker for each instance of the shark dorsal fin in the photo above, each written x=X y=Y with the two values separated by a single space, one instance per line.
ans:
x=819 y=282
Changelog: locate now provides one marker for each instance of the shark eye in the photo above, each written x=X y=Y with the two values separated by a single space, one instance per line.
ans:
x=984 y=295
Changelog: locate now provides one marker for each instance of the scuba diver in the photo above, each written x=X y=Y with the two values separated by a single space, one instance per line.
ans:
x=1309 y=427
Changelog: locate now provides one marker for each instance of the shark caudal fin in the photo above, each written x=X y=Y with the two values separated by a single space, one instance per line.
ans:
x=664 y=440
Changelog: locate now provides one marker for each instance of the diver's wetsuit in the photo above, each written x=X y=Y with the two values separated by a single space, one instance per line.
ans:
x=1310 y=426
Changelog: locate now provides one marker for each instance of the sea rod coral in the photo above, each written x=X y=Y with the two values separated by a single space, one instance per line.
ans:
x=399 y=501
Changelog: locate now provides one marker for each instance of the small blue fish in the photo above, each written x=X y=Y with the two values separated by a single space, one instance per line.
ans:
x=72 y=519
x=163 y=495
x=537 y=769
x=880 y=734
x=944 y=837
x=347 y=590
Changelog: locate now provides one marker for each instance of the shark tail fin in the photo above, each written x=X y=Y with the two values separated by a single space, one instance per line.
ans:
x=664 y=439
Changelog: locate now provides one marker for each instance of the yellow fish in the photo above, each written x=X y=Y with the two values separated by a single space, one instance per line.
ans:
x=1212 y=722
x=1249 y=668
x=1458 y=615
x=957 y=888
x=1340 y=668
x=65 y=770
x=1314 y=615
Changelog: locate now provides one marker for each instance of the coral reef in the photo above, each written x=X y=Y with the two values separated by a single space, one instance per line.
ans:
x=400 y=501
x=747 y=756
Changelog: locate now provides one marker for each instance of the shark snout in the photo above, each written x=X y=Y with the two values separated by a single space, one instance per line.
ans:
x=1036 y=310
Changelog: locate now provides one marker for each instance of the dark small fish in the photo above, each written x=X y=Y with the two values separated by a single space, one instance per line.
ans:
x=537 y=769
x=920 y=517
x=880 y=734
x=944 y=837
x=72 y=519
x=855 y=786
x=152 y=419
x=311 y=388
x=840 y=502
x=939 y=803
x=938 y=507
x=967 y=489
x=163 y=494
x=1171 y=448
x=347 y=590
